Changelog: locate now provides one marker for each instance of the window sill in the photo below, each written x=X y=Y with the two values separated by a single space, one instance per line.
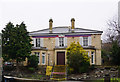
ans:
x=43 y=63
x=89 y=47
x=93 y=63
x=39 y=48
x=60 y=46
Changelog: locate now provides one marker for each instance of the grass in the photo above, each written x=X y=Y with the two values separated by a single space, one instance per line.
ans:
x=115 y=79
x=102 y=80
x=35 y=76
x=111 y=80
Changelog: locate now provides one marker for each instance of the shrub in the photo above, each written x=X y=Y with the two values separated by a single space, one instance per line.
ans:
x=118 y=71
x=115 y=53
x=78 y=59
x=92 y=67
x=69 y=70
x=31 y=69
x=33 y=61
x=8 y=68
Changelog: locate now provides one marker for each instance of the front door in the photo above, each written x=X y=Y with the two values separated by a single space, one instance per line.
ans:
x=60 y=58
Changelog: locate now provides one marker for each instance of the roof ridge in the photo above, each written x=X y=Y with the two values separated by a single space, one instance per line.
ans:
x=87 y=29
x=61 y=27
x=66 y=27
x=48 y=28
x=39 y=30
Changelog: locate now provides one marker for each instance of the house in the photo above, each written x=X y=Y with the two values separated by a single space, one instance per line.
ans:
x=50 y=44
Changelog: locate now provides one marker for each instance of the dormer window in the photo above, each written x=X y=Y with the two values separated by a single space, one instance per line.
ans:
x=61 y=41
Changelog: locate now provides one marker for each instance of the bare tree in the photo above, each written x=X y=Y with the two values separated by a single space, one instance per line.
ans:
x=112 y=36
x=113 y=31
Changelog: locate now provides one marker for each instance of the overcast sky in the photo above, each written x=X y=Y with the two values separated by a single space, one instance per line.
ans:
x=90 y=14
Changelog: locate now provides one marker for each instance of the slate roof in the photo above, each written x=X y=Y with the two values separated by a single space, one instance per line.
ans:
x=65 y=30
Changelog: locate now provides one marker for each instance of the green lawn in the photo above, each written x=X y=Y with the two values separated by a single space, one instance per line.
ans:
x=111 y=80
x=102 y=80
x=115 y=79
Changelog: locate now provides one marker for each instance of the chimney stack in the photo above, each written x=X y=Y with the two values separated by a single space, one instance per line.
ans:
x=50 y=25
x=72 y=24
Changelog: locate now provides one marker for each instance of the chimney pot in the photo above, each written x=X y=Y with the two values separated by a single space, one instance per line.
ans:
x=50 y=25
x=50 y=20
x=72 y=19
x=72 y=24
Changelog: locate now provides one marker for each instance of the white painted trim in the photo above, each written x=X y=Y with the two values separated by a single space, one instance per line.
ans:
x=41 y=42
x=34 y=40
x=44 y=59
x=89 y=41
x=65 y=41
x=57 y=41
x=93 y=58
x=81 y=41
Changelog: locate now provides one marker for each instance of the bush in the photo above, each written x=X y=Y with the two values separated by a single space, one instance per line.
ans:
x=33 y=61
x=69 y=70
x=115 y=53
x=31 y=69
x=92 y=67
x=8 y=68
x=118 y=71
x=77 y=58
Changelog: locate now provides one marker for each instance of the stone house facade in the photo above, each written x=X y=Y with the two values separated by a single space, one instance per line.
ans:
x=50 y=44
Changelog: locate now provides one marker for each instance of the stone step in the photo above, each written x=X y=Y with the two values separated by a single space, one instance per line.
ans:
x=59 y=72
x=60 y=68
x=58 y=79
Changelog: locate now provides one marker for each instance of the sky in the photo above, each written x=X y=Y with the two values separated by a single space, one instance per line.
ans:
x=89 y=14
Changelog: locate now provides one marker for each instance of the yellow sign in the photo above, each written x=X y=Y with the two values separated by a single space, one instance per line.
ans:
x=48 y=70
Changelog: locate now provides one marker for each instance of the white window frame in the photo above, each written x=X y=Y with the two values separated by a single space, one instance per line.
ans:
x=81 y=41
x=92 y=57
x=38 y=55
x=38 y=41
x=85 y=41
x=89 y=41
x=61 y=42
x=43 y=54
